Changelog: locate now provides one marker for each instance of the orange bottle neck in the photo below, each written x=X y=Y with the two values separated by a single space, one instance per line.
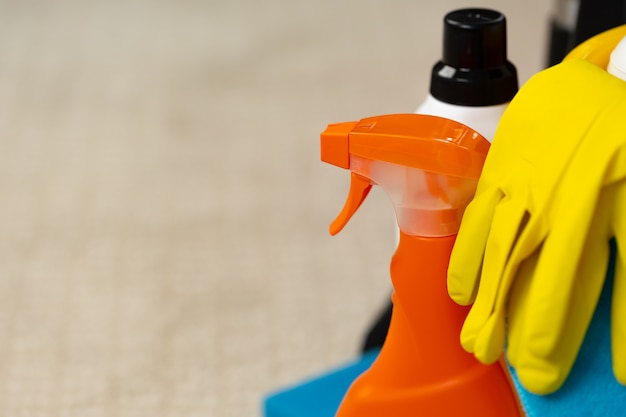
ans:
x=419 y=275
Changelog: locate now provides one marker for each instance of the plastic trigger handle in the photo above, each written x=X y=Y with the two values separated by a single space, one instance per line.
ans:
x=360 y=187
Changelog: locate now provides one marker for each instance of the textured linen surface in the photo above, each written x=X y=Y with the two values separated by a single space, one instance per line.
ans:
x=164 y=244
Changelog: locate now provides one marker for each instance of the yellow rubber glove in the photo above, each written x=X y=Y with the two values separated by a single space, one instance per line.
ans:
x=543 y=160
x=552 y=301
x=514 y=209
x=556 y=288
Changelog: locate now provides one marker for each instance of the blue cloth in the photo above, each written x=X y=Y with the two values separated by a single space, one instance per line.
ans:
x=320 y=396
x=591 y=388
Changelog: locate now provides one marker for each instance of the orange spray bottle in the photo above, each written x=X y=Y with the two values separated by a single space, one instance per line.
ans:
x=429 y=168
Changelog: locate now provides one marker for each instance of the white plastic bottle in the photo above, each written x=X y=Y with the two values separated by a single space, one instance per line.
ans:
x=617 y=61
x=473 y=82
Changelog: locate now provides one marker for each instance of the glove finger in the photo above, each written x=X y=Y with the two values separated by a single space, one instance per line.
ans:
x=564 y=294
x=566 y=250
x=515 y=283
x=489 y=342
x=468 y=251
x=520 y=266
x=507 y=218
x=572 y=262
x=519 y=304
x=548 y=345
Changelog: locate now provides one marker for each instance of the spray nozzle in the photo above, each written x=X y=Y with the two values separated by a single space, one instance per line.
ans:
x=427 y=165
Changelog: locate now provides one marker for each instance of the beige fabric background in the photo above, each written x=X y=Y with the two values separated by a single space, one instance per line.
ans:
x=164 y=246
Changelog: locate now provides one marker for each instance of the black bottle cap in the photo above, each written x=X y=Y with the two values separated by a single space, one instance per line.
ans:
x=474 y=70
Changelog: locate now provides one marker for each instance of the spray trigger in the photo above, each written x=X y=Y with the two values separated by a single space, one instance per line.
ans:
x=360 y=187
